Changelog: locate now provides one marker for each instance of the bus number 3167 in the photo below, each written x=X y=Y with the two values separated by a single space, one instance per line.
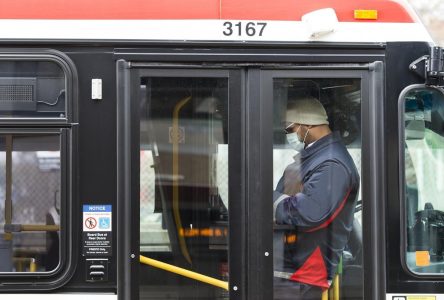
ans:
x=242 y=28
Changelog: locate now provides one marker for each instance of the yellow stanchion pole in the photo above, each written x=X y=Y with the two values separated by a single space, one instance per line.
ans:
x=325 y=295
x=336 y=287
x=184 y=272
x=32 y=265
x=331 y=294
x=175 y=140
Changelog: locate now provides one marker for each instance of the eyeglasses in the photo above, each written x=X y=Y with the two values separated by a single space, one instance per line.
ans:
x=289 y=128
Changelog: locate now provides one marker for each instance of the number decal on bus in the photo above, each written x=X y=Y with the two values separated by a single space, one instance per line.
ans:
x=242 y=28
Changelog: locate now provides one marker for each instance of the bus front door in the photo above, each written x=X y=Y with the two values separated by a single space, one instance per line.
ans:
x=183 y=142
x=201 y=151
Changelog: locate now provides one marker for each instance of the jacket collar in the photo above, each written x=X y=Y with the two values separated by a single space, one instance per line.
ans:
x=323 y=142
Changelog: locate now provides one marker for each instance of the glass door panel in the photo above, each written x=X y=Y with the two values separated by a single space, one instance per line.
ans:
x=184 y=185
x=317 y=239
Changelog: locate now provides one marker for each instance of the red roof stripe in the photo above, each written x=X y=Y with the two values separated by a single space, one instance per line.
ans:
x=388 y=10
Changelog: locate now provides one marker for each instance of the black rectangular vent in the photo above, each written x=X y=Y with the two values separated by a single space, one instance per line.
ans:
x=18 y=94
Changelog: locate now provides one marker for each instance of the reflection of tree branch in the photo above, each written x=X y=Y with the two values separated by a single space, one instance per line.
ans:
x=429 y=10
x=431 y=14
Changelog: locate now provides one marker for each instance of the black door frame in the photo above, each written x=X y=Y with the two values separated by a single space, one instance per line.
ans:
x=251 y=270
x=372 y=174
x=128 y=171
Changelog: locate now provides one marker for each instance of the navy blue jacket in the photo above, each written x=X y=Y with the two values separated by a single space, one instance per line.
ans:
x=322 y=211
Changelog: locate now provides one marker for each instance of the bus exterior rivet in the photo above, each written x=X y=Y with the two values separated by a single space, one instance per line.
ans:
x=234 y=288
x=133 y=256
x=267 y=254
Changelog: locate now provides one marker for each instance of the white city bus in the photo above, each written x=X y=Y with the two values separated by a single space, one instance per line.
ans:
x=140 y=143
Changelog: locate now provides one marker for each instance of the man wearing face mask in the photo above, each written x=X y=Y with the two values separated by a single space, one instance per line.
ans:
x=316 y=195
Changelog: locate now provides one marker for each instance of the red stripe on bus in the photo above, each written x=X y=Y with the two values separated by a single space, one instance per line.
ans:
x=388 y=10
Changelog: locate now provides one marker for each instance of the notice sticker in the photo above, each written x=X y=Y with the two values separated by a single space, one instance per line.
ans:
x=414 y=297
x=97 y=230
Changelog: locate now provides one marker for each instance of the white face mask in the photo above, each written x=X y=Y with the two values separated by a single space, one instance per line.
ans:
x=294 y=142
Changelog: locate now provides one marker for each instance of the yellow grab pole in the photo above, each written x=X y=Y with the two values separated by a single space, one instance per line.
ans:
x=175 y=140
x=32 y=265
x=336 y=287
x=187 y=273
x=325 y=295
x=37 y=227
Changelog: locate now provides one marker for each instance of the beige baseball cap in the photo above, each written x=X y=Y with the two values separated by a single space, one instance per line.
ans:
x=306 y=111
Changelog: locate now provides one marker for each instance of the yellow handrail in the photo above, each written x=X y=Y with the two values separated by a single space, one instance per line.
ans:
x=184 y=272
x=336 y=287
x=325 y=295
x=175 y=140
x=39 y=227
x=32 y=265
x=19 y=261
x=333 y=292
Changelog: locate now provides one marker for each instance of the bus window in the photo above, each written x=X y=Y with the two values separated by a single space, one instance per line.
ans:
x=32 y=89
x=183 y=184
x=423 y=173
x=30 y=191
x=317 y=200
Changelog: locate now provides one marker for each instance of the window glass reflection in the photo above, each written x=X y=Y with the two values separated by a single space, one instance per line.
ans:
x=32 y=89
x=184 y=185
x=424 y=165
x=30 y=191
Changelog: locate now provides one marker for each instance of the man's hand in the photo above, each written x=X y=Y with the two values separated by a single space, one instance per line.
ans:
x=292 y=184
